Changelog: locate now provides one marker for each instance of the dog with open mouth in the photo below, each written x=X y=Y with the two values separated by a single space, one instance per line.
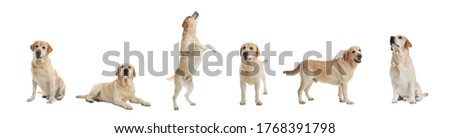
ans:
x=336 y=72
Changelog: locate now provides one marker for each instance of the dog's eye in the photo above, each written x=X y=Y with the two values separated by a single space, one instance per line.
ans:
x=359 y=50
x=400 y=37
x=251 y=48
x=122 y=66
x=129 y=67
x=353 y=51
x=243 y=48
x=43 y=47
x=36 y=46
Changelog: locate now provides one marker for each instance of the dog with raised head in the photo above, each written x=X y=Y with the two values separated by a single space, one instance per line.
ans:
x=44 y=75
x=336 y=72
x=403 y=76
x=251 y=71
x=191 y=52
x=117 y=92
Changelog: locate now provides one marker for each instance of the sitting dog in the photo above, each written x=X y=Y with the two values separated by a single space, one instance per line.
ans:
x=44 y=75
x=403 y=75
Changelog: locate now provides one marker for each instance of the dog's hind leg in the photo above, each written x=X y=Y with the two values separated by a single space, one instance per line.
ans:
x=307 y=91
x=189 y=85
x=61 y=92
x=178 y=86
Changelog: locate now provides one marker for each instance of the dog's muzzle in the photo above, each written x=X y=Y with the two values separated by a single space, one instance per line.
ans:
x=38 y=54
x=245 y=55
x=125 y=72
x=358 y=58
x=392 y=42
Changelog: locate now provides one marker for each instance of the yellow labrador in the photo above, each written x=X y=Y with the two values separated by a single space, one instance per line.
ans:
x=190 y=48
x=251 y=71
x=403 y=75
x=117 y=92
x=337 y=72
x=44 y=75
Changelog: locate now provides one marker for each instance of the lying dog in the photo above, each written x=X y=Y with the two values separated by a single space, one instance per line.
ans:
x=323 y=71
x=403 y=76
x=44 y=75
x=190 y=48
x=117 y=92
x=251 y=71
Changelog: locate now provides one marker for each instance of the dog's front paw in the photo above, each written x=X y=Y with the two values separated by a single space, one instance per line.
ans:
x=127 y=107
x=311 y=99
x=30 y=99
x=242 y=102
x=412 y=102
x=259 y=103
x=349 y=102
x=89 y=100
x=51 y=100
x=176 y=108
x=145 y=104
x=302 y=102
x=265 y=92
x=394 y=101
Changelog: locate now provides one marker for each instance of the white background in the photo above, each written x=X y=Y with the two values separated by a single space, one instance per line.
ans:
x=82 y=31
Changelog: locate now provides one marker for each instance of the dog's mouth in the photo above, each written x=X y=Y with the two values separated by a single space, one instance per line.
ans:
x=38 y=55
x=393 y=44
x=195 y=15
x=358 y=58
x=126 y=73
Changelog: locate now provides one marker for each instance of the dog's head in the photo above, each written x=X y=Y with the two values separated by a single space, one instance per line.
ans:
x=190 y=22
x=40 y=49
x=249 y=51
x=125 y=71
x=399 y=42
x=353 y=54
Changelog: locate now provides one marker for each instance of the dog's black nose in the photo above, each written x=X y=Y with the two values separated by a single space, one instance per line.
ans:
x=125 y=72
x=359 y=56
x=392 y=40
x=245 y=54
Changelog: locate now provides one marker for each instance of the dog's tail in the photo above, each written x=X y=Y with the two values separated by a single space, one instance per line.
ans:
x=81 y=96
x=425 y=94
x=293 y=72
x=171 y=78
x=265 y=62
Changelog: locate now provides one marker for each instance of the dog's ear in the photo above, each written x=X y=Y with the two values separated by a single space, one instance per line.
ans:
x=240 y=50
x=32 y=46
x=407 y=43
x=118 y=71
x=258 y=53
x=49 y=48
x=134 y=72
x=346 y=55
x=185 y=24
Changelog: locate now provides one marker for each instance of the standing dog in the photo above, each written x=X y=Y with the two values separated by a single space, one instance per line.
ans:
x=191 y=56
x=251 y=71
x=323 y=71
x=403 y=75
x=44 y=75
x=117 y=92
